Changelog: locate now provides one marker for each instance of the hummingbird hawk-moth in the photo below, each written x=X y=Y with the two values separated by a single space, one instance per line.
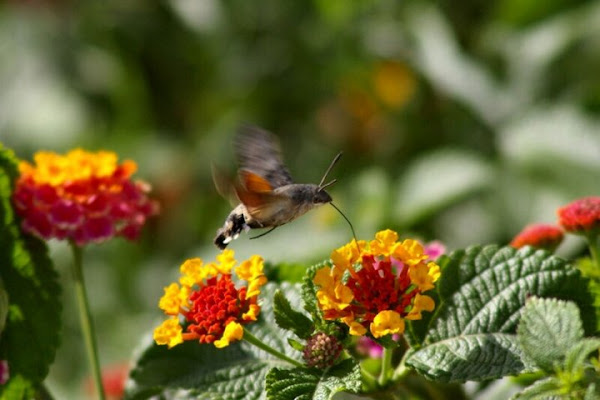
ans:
x=267 y=195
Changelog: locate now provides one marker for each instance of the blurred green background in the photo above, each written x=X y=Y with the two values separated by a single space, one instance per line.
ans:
x=460 y=121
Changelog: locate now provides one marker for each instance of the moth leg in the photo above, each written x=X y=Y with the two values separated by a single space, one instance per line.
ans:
x=264 y=233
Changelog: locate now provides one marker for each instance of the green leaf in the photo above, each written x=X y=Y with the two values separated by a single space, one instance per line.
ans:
x=296 y=345
x=289 y=319
x=235 y=372
x=544 y=389
x=313 y=384
x=469 y=357
x=309 y=293
x=579 y=353
x=547 y=331
x=31 y=283
x=481 y=293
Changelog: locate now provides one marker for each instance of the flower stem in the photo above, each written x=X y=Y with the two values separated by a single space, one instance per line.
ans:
x=386 y=365
x=250 y=338
x=85 y=319
x=594 y=244
x=368 y=379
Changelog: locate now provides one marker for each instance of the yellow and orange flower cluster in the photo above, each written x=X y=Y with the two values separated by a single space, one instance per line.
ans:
x=212 y=309
x=81 y=196
x=376 y=285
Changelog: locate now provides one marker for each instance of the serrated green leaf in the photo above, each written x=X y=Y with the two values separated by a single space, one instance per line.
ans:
x=482 y=291
x=309 y=293
x=547 y=331
x=33 y=318
x=203 y=371
x=313 y=384
x=544 y=389
x=290 y=319
x=579 y=353
x=469 y=357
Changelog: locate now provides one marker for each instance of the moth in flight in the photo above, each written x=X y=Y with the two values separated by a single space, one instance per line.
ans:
x=267 y=195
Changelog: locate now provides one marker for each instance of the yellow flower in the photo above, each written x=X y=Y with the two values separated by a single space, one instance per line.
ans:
x=55 y=169
x=347 y=255
x=174 y=299
x=333 y=295
x=169 y=333
x=255 y=284
x=384 y=242
x=250 y=269
x=421 y=303
x=226 y=261
x=356 y=329
x=410 y=252
x=252 y=313
x=233 y=331
x=419 y=275
x=385 y=323
x=434 y=271
x=191 y=272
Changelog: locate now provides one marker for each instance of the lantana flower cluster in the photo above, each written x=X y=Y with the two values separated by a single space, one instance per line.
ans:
x=581 y=216
x=545 y=236
x=81 y=196
x=206 y=305
x=375 y=286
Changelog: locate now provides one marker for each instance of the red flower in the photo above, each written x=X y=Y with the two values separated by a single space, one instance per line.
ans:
x=543 y=236
x=214 y=306
x=81 y=196
x=581 y=216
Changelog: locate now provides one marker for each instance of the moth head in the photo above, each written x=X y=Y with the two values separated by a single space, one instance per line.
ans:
x=321 y=197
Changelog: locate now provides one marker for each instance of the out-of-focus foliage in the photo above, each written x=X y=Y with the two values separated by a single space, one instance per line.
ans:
x=461 y=121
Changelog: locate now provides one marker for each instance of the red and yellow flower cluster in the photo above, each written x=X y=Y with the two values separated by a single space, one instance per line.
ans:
x=213 y=310
x=375 y=286
x=81 y=196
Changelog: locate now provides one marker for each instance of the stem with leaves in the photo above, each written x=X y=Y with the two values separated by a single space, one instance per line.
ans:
x=85 y=318
x=250 y=338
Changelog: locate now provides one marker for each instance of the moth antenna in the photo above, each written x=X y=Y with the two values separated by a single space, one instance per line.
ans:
x=327 y=184
x=349 y=223
x=335 y=160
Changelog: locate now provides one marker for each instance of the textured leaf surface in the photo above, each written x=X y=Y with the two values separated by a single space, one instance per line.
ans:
x=469 y=357
x=289 y=319
x=548 y=330
x=544 y=389
x=313 y=384
x=480 y=295
x=235 y=372
x=31 y=334
x=579 y=353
